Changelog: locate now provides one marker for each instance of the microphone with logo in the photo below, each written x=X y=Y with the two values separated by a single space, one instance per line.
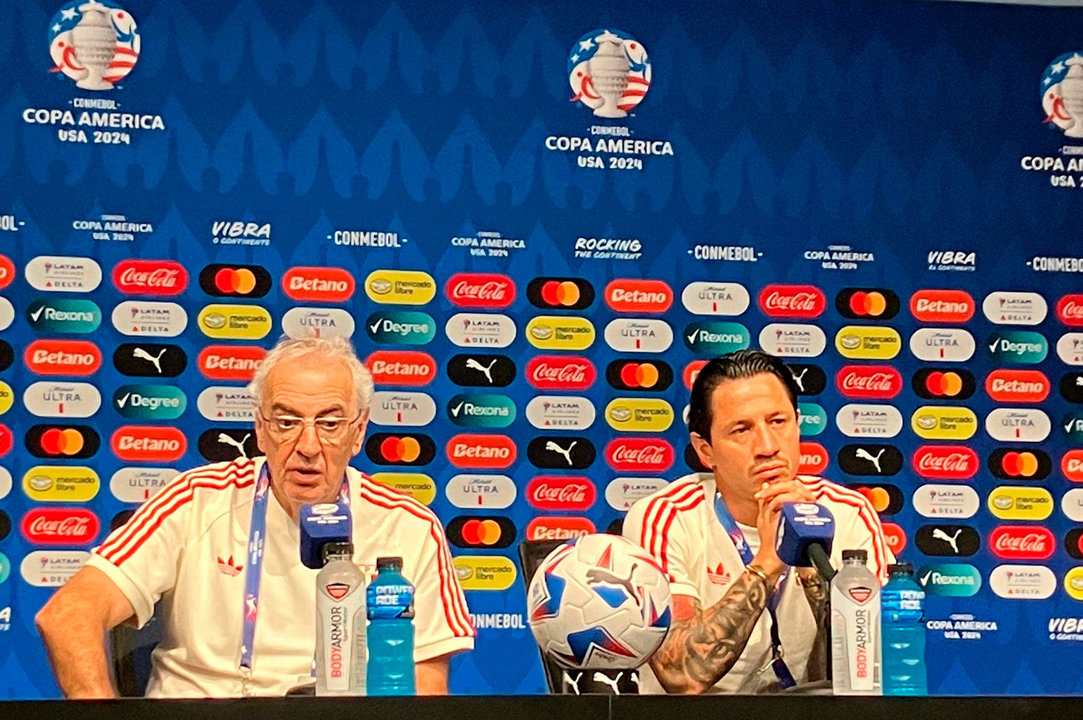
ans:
x=341 y=651
x=805 y=534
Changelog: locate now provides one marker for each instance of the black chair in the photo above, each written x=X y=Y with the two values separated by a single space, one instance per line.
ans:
x=131 y=649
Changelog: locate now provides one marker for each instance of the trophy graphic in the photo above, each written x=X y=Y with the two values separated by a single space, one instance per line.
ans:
x=1071 y=91
x=609 y=68
x=95 y=44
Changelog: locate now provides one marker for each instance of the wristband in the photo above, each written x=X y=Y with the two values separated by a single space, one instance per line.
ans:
x=758 y=573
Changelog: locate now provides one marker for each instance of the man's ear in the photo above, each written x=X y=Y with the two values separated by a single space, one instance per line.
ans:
x=702 y=448
x=261 y=434
x=359 y=441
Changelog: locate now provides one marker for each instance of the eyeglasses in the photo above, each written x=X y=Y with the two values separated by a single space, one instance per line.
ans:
x=331 y=430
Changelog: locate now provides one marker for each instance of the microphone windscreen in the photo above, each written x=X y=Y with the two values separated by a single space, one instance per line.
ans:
x=322 y=523
x=801 y=525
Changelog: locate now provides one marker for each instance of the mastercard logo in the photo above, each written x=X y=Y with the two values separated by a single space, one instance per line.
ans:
x=52 y=441
x=560 y=293
x=654 y=375
x=932 y=384
x=867 y=303
x=885 y=499
x=471 y=531
x=251 y=281
x=400 y=449
x=1023 y=464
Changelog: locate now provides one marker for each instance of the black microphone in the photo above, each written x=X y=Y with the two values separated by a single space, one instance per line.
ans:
x=805 y=534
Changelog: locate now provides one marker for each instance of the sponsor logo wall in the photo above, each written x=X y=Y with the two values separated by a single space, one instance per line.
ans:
x=535 y=233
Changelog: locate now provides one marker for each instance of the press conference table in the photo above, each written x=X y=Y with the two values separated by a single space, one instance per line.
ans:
x=554 y=707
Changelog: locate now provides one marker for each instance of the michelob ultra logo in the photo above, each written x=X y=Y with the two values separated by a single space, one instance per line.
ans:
x=239 y=322
x=481 y=290
x=62 y=441
x=400 y=287
x=481 y=410
x=709 y=337
x=560 y=293
x=401 y=327
x=401 y=367
x=871 y=342
x=494 y=452
x=638 y=296
x=226 y=403
x=136 y=443
x=165 y=278
x=53 y=273
x=63 y=357
x=1014 y=308
x=150 y=319
x=715 y=298
x=150 y=402
x=1018 y=346
x=869 y=382
x=637 y=335
x=401 y=408
x=793 y=340
x=1018 y=425
x=1071 y=504
x=318 y=284
x=550 y=332
x=1017 y=386
x=400 y=449
x=942 y=345
x=942 y=383
x=62 y=399
x=420 y=486
x=950 y=579
x=476 y=572
x=300 y=322
x=560 y=412
x=61 y=315
x=942 y=306
x=237 y=281
x=792 y=301
x=1070 y=309
x=935 y=422
x=1070 y=348
x=138 y=484
x=481 y=491
x=646 y=376
x=954 y=501
x=639 y=415
x=53 y=483
x=1009 y=502
x=490 y=330
x=1023 y=582
x=811 y=419
x=861 y=303
x=236 y=363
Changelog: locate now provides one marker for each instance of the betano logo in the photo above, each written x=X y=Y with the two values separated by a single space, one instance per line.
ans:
x=895 y=537
x=1071 y=465
x=61 y=315
x=63 y=357
x=560 y=293
x=639 y=415
x=235 y=363
x=164 y=278
x=861 y=303
x=636 y=335
x=235 y=322
x=318 y=284
x=237 y=281
x=54 y=483
x=476 y=572
x=861 y=342
x=792 y=301
x=1017 y=386
x=484 y=452
x=135 y=443
x=1009 y=502
x=558 y=528
x=481 y=290
x=420 y=487
x=564 y=332
x=638 y=296
x=7 y=271
x=942 y=306
x=401 y=367
x=400 y=287
x=934 y=422
x=814 y=458
x=715 y=298
x=942 y=345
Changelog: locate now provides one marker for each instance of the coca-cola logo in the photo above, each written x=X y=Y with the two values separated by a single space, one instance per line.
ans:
x=946 y=462
x=552 y=372
x=150 y=277
x=639 y=455
x=1022 y=542
x=814 y=459
x=880 y=382
x=548 y=492
x=792 y=301
x=1070 y=309
x=60 y=526
x=480 y=290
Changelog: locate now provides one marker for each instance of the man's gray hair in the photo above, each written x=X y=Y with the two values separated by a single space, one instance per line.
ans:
x=330 y=348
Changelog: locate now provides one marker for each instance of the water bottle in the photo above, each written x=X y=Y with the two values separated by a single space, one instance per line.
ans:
x=855 y=627
x=391 y=631
x=903 y=635
x=341 y=650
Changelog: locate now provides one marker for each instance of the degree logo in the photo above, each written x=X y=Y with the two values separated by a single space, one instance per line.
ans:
x=948 y=540
x=150 y=402
x=235 y=322
x=861 y=303
x=400 y=287
x=473 y=531
x=551 y=293
x=135 y=443
x=483 y=452
x=1014 y=308
x=149 y=360
x=149 y=319
x=480 y=290
x=411 y=449
x=1020 y=503
x=63 y=357
x=792 y=301
x=52 y=273
x=646 y=376
x=60 y=526
x=1017 y=386
x=401 y=327
x=235 y=281
x=934 y=422
x=811 y=419
x=488 y=330
x=48 y=483
x=651 y=297
x=165 y=278
x=943 y=345
x=942 y=306
x=318 y=284
x=861 y=342
x=401 y=367
x=1017 y=346
x=420 y=487
x=943 y=383
x=712 y=337
x=561 y=452
x=61 y=315
x=401 y=408
x=481 y=370
x=234 y=363
x=639 y=415
x=62 y=441
x=710 y=298
x=1070 y=310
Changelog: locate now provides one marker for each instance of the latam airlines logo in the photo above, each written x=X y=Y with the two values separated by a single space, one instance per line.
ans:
x=51 y=273
x=481 y=290
x=150 y=277
x=226 y=403
x=318 y=284
x=63 y=357
x=638 y=296
x=792 y=301
x=609 y=72
x=793 y=340
x=498 y=331
x=1014 y=308
x=1023 y=582
x=560 y=412
x=942 y=306
x=150 y=319
x=95 y=43
x=872 y=382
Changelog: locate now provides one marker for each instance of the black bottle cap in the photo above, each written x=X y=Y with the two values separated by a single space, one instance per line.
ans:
x=393 y=564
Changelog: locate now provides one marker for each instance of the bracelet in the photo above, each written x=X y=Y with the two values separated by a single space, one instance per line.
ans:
x=758 y=573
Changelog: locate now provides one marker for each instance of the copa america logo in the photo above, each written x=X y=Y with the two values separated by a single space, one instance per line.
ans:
x=1062 y=94
x=95 y=43
x=609 y=72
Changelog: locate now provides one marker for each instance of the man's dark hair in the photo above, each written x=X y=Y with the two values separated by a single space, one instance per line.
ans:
x=732 y=366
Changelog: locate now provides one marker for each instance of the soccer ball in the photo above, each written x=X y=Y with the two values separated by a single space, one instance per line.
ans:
x=599 y=602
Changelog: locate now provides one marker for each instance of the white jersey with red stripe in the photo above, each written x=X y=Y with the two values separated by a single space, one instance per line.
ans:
x=679 y=527
x=186 y=547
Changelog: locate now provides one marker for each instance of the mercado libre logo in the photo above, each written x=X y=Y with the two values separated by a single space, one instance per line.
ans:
x=94 y=43
x=609 y=72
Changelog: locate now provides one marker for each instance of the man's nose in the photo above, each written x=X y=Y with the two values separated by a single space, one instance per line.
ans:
x=308 y=442
x=766 y=443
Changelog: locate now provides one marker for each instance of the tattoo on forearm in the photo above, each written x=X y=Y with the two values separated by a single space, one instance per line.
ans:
x=699 y=650
x=816 y=593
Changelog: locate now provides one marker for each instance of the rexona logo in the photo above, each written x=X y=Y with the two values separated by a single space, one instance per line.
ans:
x=149 y=319
x=1017 y=386
x=52 y=483
x=1018 y=425
x=638 y=336
x=942 y=383
x=869 y=382
x=150 y=402
x=477 y=410
x=792 y=301
x=948 y=540
x=420 y=487
x=62 y=399
x=61 y=315
x=490 y=330
x=1070 y=310
x=555 y=372
x=862 y=420
x=237 y=281
x=402 y=408
x=60 y=526
x=1071 y=387
x=63 y=357
x=570 y=493
x=236 y=322
x=149 y=360
x=793 y=340
x=934 y=422
x=1009 y=502
x=236 y=363
x=474 y=531
x=715 y=298
x=942 y=306
x=1022 y=542
x=1023 y=582
x=300 y=322
x=862 y=303
x=946 y=345
x=561 y=452
x=946 y=462
x=870 y=459
x=400 y=287
x=950 y=579
x=318 y=284
x=709 y=337
x=51 y=273
x=558 y=528
x=480 y=290
x=138 y=484
x=1014 y=308
x=560 y=412
x=811 y=419
x=226 y=403
x=1018 y=346
x=646 y=376
x=409 y=449
x=166 y=278
x=481 y=370
x=401 y=327
x=483 y=452
x=639 y=415
x=1071 y=465
x=814 y=458
x=485 y=573
x=623 y=492
x=62 y=441
x=401 y=367
x=640 y=455
x=135 y=443
x=481 y=491
x=560 y=293
x=861 y=342
x=954 y=501
x=638 y=296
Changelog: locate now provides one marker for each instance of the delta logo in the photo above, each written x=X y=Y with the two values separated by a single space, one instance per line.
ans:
x=551 y=293
x=638 y=296
x=409 y=449
x=814 y=459
x=485 y=452
x=875 y=382
x=401 y=367
x=136 y=443
x=318 y=284
x=1014 y=308
x=1070 y=310
x=60 y=526
x=946 y=462
x=235 y=363
x=63 y=357
x=640 y=455
x=859 y=303
x=164 y=278
x=555 y=372
x=1022 y=464
x=559 y=528
x=792 y=301
x=1071 y=465
x=561 y=493
x=942 y=306
x=1017 y=386
x=237 y=281
x=480 y=290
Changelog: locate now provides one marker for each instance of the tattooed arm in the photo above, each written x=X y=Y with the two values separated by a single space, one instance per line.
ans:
x=702 y=645
x=816 y=593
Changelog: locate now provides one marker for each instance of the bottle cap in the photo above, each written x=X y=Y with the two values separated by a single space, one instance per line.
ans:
x=903 y=568
x=855 y=555
x=336 y=548
x=393 y=564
